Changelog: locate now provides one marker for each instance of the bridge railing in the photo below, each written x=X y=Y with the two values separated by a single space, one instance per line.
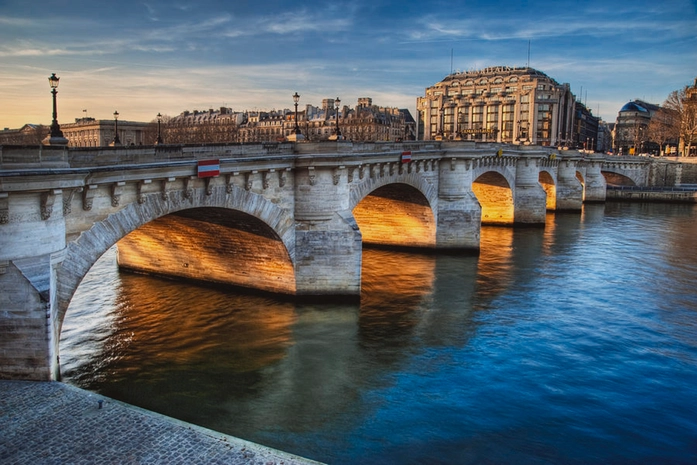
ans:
x=43 y=157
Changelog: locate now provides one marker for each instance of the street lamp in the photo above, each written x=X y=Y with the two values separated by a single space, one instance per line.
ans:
x=56 y=135
x=159 y=134
x=337 y=102
x=296 y=135
x=296 y=99
x=117 y=141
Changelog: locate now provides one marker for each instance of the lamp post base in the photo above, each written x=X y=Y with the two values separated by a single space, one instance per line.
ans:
x=55 y=140
x=295 y=137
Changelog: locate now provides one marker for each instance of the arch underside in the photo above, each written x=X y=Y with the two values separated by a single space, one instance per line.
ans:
x=549 y=185
x=617 y=179
x=210 y=245
x=396 y=215
x=495 y=197
x=171 y=235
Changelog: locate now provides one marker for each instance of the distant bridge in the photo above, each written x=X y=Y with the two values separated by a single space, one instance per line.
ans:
x=286 y=218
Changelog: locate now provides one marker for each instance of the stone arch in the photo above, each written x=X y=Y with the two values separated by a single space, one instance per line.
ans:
x=80 y=255
x=396 y=211
x=361 y=190
x=495 y=195
x=548 y=182
x=617 y=179
x=396 y=215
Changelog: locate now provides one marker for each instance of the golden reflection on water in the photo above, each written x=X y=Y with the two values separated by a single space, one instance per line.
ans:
x=495 y=266
x=165 y=323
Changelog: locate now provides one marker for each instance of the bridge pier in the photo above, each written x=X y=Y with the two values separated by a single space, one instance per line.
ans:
x=530 y=198
x=569 y=188
x=596 y=187
x=31 y=250
x=459 y=212
x=328 y=243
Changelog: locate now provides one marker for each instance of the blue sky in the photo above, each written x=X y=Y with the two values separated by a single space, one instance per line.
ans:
x=145 y=57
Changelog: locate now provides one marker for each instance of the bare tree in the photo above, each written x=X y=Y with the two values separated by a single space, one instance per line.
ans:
x=664 y=127
x=29 y=134
x=683 y=103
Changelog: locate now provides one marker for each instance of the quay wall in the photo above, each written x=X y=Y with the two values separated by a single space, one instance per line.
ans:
x=646 y=195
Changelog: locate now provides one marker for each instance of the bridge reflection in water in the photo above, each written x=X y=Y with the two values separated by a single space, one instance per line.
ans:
x=454 y=358
x=243 y=363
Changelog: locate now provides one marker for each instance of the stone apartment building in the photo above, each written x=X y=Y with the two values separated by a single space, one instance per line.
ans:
x=498 y=104
x=632 y=128
x=91 y=132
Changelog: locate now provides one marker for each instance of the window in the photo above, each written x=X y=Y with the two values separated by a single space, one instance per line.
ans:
x=492 y=114
x=477 y=114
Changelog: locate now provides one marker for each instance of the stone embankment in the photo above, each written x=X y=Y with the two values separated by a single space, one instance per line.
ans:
x=682 y=194
x=55 y=423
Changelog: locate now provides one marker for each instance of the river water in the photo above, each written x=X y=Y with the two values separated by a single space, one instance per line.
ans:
x=573 y=343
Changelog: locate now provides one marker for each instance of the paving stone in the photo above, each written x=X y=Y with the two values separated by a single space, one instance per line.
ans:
x=48 y=423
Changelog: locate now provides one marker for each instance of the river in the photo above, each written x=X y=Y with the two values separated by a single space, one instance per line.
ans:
x=569 y=344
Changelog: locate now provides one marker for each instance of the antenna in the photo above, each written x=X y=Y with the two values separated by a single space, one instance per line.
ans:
x=528 y=63
x=451 y=61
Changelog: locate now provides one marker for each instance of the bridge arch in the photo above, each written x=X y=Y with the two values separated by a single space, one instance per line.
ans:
x=405 y=202
x=419 y=182
x=495 y=195
x=81 y=254
x=548 y=182
x=617 y=179
x=396 y=215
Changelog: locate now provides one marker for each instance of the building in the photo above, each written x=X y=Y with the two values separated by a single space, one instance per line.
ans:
x=29 y=134
x=604 y=144
x=365 y=122
x=502 y=104
x=585 y=133
x=212 y=126
x=90 y=132
x=631 y=129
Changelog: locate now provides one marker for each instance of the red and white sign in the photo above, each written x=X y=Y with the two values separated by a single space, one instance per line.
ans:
x=208 y=168
x=406 y=157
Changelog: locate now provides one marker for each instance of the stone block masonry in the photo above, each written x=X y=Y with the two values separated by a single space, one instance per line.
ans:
x=286 y=218
x=46 y=423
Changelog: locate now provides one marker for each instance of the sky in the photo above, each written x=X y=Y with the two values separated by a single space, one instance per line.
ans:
x=148 y=57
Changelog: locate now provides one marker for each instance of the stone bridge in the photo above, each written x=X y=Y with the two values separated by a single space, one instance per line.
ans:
x=283 y=218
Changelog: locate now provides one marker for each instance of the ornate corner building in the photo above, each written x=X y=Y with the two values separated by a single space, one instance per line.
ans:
x=498 y=104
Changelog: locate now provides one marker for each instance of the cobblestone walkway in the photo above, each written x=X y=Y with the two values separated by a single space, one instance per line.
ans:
x=55 y=423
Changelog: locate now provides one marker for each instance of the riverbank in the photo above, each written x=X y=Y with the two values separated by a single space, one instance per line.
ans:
x=51 y=422
x=687 y=194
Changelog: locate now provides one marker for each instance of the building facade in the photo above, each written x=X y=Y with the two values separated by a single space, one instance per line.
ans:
x=498 y=104
x=90 y=132
x=585 y=133
x=632 y=128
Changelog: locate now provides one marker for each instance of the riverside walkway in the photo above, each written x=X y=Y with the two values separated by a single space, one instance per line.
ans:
x=55 y=423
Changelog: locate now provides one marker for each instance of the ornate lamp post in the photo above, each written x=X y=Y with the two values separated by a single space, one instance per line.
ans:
x=158 y=141
x=296 y=99
x=337 y=102
x=56 y=135
x=117 y=141
x=296 y=135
